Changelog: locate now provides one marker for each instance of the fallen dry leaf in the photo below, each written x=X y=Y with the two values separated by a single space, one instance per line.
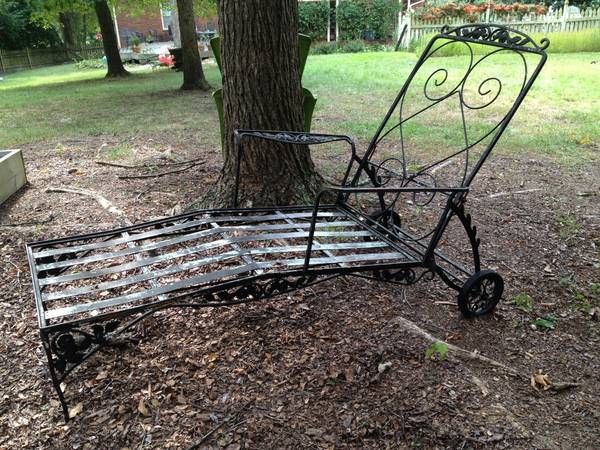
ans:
x=75 y=410
x=540 y=380
x=142 y=408
x=382 y=367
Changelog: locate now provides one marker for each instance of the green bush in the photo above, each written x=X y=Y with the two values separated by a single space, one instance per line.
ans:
x=355 y=46
x=370 y=19
x=573 y=41
x=352 y=47
x=418 y=46
x=85 y=64
x=313 y=18
x=382 y=18
x=560 y=42
x=350 y=18
x=324 y=48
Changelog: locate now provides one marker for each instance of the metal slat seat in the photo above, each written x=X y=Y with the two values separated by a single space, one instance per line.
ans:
x=80 y=277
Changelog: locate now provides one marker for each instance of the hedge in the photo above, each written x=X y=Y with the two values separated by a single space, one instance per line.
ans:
x=313 y=19
x=367 y=19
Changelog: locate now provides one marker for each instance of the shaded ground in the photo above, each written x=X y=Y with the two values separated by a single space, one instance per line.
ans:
x=303 y=371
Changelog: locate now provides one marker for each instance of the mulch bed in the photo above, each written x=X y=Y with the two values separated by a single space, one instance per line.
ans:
x=326 y=367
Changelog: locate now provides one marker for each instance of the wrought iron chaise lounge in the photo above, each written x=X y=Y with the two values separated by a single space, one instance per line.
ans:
x=90 y=287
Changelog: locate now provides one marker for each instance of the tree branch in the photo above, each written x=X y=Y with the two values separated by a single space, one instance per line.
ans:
x=103 y=201
x=160 y=174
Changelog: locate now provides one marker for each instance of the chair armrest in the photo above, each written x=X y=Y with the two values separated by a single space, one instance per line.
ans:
x=293 y=137
x=287 y=137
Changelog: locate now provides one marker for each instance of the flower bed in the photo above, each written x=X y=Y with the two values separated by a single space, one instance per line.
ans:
x=470 y=11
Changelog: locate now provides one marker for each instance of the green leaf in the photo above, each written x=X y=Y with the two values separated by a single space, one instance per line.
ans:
x=547 y=322
x=523 y=302
x=436 y=350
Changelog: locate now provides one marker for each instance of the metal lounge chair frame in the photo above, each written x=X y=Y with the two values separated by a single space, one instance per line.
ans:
x=204 y=259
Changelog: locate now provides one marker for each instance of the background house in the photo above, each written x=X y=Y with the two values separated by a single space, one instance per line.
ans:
x=152 y=26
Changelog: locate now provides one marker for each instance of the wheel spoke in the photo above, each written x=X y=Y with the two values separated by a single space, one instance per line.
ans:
x=480 y=293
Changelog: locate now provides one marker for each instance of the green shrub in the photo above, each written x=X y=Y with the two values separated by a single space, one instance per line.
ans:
x=418 y=46
x=437 y=350
x=572 y=41
x=85 y=64
x=313 y=18
x=352 y=47
x=371 y=19
x=382 y=18
x=324 y=48
x=350 y=18
x=560 y=42
x=523 y=302
x=356 y=46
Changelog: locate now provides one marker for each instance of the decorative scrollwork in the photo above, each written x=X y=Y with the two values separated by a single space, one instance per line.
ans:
x=72 y=345
x=404 y=276
x=257 y=290
x=423 y=179
x=458 y=207
x=495 y=33
x=387 y=170
x=294 y=138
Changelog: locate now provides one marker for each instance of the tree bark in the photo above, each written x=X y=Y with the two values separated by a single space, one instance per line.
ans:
x=261 y=90
x=176 y=35
x=109 y=40
x=193 y=75
x=66 y=24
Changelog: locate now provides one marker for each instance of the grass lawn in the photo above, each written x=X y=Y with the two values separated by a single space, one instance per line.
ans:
x=559 y=118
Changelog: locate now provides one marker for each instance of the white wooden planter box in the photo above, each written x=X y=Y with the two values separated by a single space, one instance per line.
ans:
x=12 y=173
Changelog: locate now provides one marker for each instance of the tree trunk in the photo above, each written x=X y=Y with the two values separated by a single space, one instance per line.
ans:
x=66 y=24
x=175 y=34
x=109 y=40
x=193 y=75
x=261 y=90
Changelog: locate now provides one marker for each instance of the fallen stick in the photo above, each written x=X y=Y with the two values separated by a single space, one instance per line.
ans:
x=18 y=272
x=207 y=435
x=415 y=329
x=441 y=166
x=218 y=426
x=558 y=387
x=143 y=166
x=103 y=201
x=29 y=224
x=160 y=174
x=122 y=166
x=504 y=194
x=412 y=327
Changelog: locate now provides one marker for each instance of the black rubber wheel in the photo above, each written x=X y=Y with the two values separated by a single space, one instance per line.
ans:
x=480 y=294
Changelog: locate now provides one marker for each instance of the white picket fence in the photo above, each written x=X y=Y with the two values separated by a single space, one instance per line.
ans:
x=563 y=19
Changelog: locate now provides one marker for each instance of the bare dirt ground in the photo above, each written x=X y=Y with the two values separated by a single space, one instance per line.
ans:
x=306 y=371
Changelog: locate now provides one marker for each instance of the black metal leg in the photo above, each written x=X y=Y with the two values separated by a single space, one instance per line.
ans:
x=467 y=222
x=55 y=382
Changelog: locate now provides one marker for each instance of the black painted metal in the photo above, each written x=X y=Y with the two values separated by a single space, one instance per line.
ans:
x=91 y=287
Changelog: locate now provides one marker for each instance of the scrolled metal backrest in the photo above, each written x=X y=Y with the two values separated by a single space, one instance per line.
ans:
x=458 y=107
